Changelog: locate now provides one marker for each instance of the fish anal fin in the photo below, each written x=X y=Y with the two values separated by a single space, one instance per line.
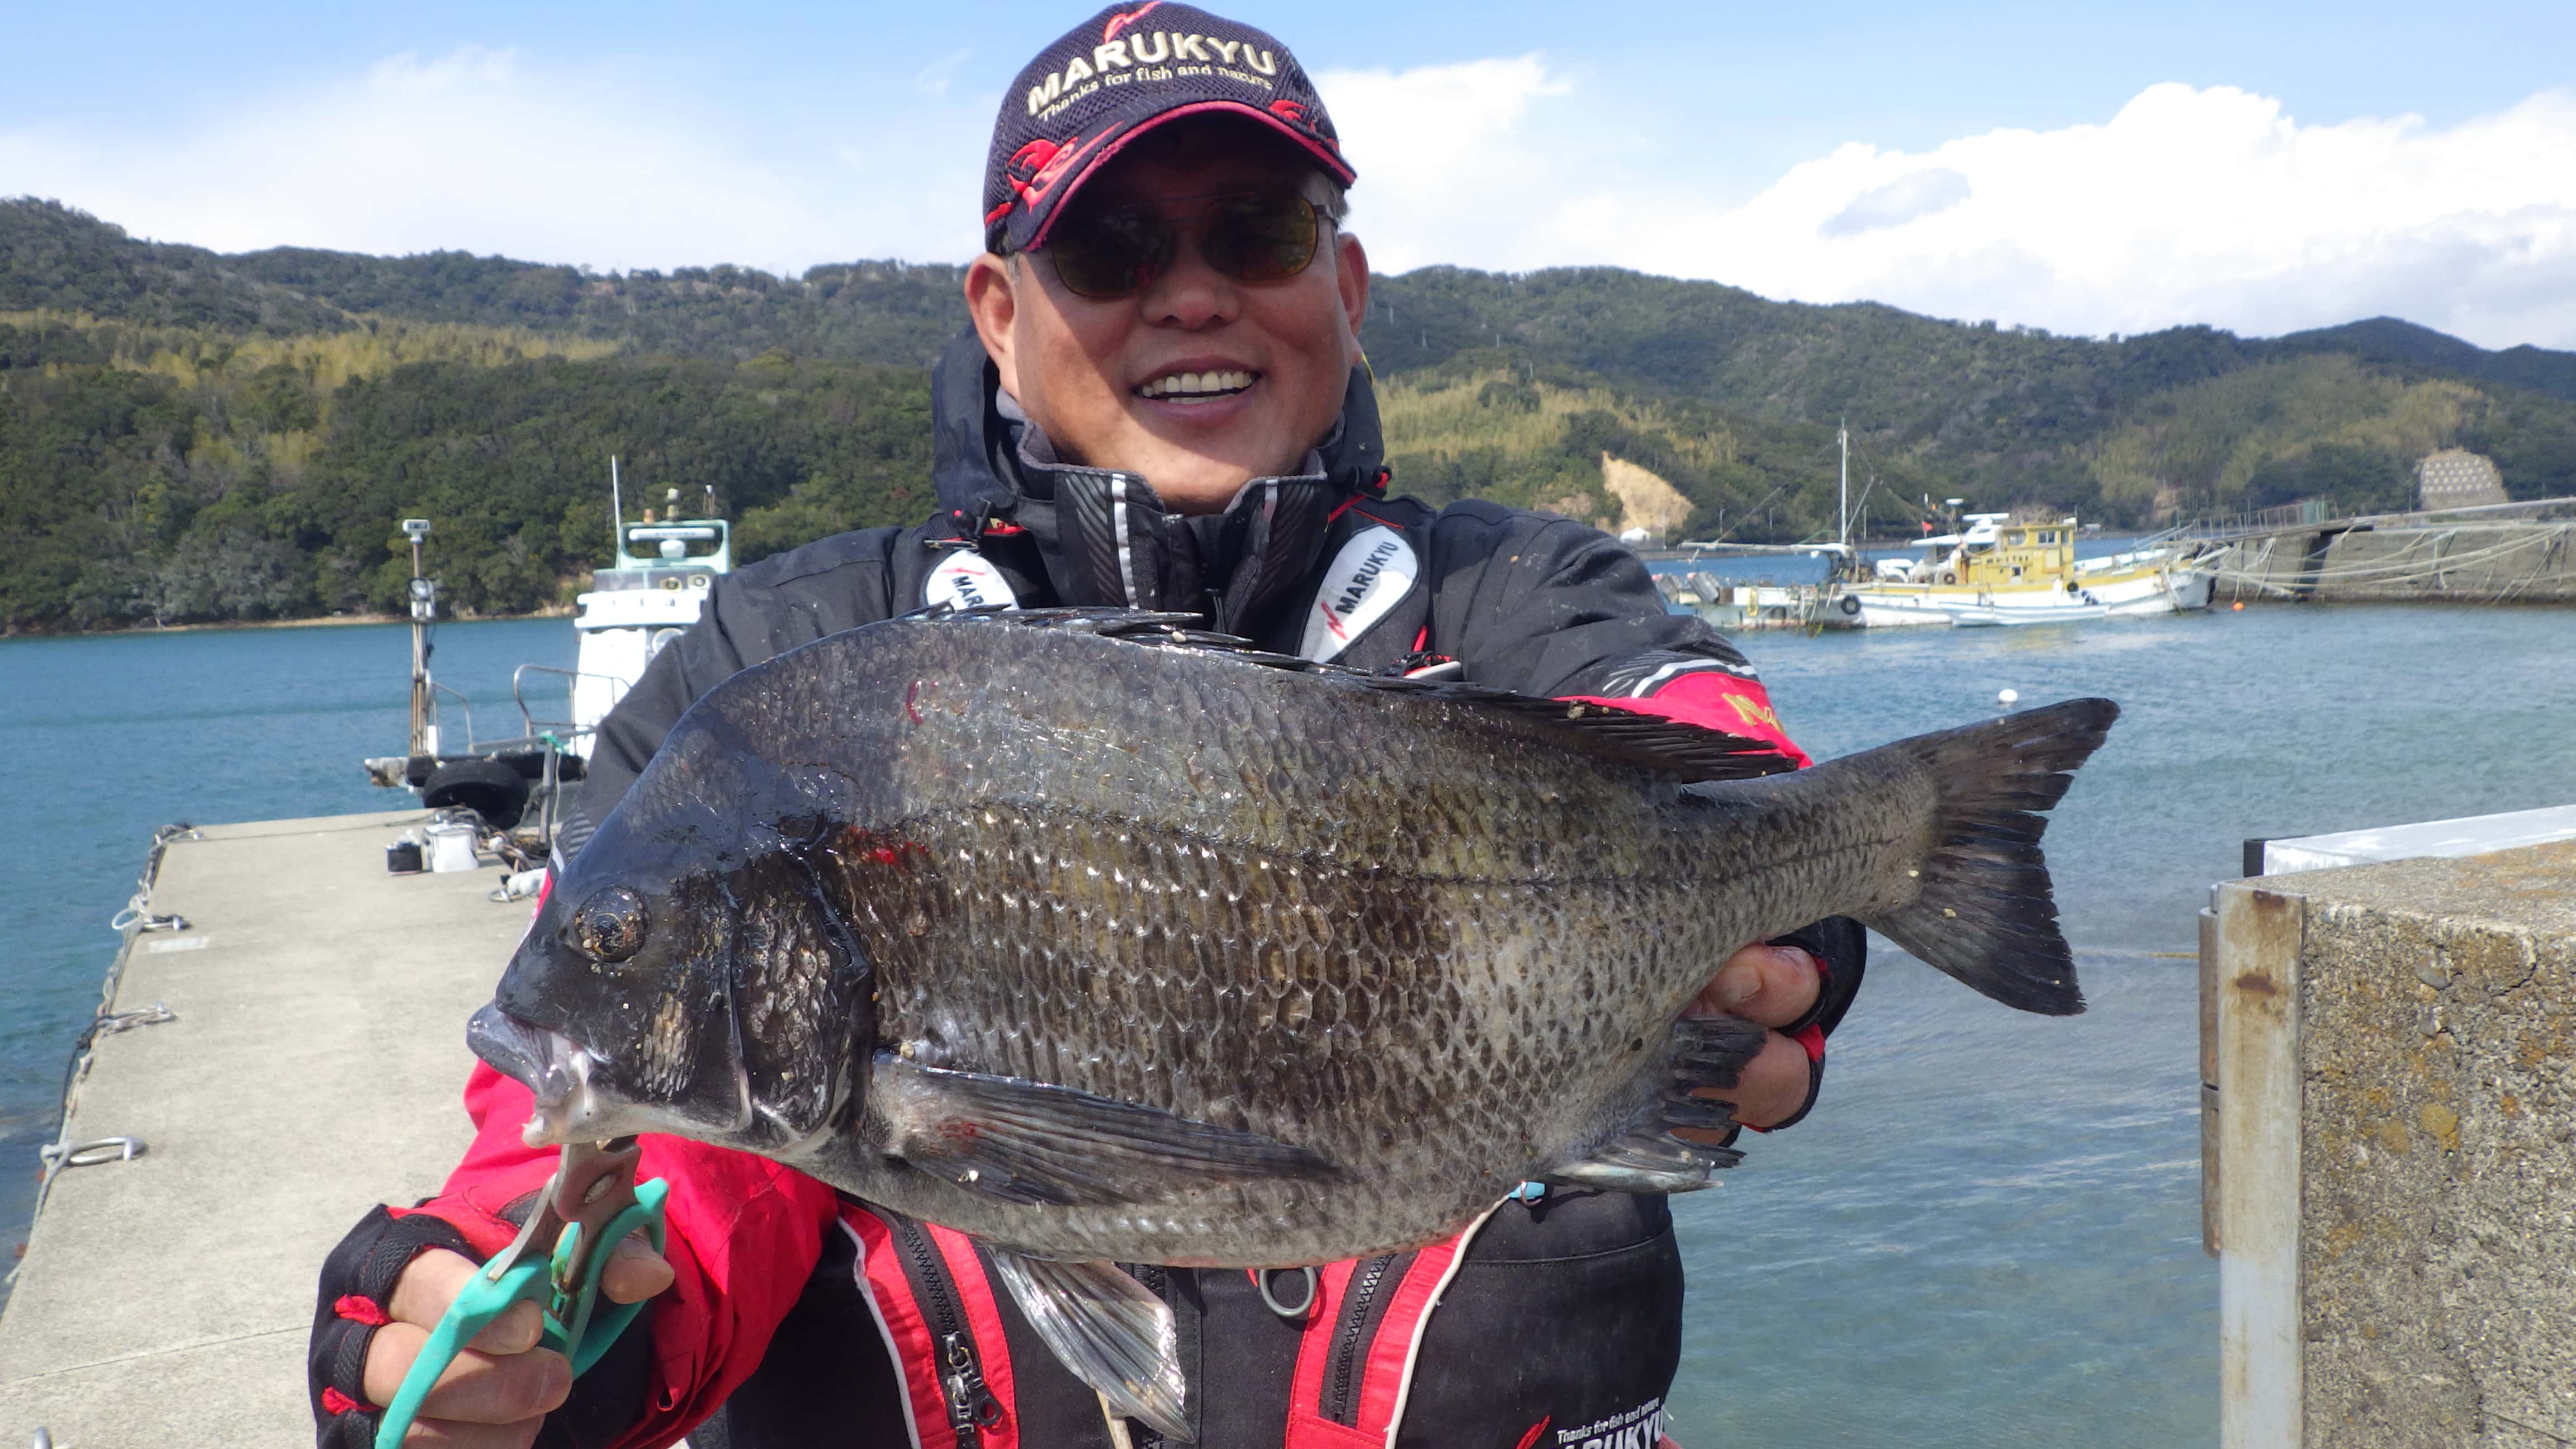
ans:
x=1109 y=1331
x=1705 y=1053
x=1650 y=1162
x=1029 y=1142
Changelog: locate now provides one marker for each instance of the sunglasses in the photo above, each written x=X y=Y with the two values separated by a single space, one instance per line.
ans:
x=1121 y=251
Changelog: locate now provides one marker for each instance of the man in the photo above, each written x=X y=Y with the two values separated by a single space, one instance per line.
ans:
x=1163 y=405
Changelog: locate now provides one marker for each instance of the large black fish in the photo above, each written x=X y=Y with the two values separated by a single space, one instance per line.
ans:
x=1106 y=941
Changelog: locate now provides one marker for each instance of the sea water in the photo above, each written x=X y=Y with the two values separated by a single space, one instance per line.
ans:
x=1987 y=1234
x=104 y=739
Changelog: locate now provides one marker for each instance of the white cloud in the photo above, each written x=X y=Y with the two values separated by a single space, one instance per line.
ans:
x=602 y=165
x=1447 y=157
x=1911 y=197
x=934 y=79
x=2188 y=205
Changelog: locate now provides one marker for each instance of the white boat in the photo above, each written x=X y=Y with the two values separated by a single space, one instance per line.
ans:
x=1997 y=571
x=654 y=590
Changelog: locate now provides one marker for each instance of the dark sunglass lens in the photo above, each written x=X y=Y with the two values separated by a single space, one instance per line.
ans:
x=1261 y=238
x=1110 y=254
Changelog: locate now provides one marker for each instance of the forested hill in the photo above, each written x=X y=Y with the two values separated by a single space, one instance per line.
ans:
x=191 y=435
x=58 y=258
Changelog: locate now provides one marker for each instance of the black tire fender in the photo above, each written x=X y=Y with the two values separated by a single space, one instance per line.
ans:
x=485 y=786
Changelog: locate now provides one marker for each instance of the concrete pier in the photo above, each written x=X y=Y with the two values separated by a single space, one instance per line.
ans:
x=313 y=1063
x=2499 y=561
x=2391 y=1058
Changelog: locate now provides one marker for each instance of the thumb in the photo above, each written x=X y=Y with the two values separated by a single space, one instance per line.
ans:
x=634 y=1272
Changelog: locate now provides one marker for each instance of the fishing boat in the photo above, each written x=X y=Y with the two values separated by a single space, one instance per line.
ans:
x=661 y=571
x=1996 y=569
x=1733 y=607
x=1999 y=570
x=645 y=599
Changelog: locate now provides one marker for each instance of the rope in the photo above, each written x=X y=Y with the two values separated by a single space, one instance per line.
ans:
x=2410 y=565
x=132 y=922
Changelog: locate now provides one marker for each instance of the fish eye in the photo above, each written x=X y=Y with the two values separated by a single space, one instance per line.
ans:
x=610 y=925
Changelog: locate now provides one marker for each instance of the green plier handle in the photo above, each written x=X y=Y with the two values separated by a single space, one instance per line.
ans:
x=564 y=1283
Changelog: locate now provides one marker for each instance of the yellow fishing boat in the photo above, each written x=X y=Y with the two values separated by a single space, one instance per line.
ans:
x=1997 y=570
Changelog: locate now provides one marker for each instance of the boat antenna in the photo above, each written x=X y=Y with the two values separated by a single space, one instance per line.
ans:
x=424 y=609
x=616 y=515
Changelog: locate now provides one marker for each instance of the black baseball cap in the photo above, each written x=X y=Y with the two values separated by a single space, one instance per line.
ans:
x=1118 y=75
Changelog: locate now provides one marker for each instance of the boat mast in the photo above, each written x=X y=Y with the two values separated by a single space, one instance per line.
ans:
x=1842 y=440
x=616 y=515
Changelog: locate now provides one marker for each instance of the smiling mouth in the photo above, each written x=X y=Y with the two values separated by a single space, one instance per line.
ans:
x=1197 y=387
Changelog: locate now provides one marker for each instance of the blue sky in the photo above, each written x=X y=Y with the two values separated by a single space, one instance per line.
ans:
x=1732 y=141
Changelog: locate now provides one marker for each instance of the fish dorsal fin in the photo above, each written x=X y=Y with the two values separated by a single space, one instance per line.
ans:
x=1631 y=737
x=1608 y=732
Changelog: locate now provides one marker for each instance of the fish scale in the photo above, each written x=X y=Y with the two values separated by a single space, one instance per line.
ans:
x=1481 y=882
x=1101 y=940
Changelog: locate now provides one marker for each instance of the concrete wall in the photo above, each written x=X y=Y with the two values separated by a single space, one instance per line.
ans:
x=2400 y=1270
x=2514 y=561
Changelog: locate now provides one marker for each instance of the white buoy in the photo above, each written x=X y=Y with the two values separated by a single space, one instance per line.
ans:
x=2008 y=697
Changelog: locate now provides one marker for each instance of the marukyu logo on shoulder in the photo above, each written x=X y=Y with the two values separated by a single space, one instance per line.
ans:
x=967 y=580
x=1371 y=575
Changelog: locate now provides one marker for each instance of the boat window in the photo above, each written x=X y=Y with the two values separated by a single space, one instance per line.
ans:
x=2013 y=537
x=2048 y=535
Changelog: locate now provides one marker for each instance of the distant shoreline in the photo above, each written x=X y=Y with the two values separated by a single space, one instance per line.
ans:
x=318 y=621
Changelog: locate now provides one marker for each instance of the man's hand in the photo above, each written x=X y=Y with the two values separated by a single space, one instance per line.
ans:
x=1769 y=986
x=497 y=1393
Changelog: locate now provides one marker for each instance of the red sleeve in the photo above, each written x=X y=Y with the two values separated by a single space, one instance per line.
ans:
x=1713 y=699
x=744 y=1235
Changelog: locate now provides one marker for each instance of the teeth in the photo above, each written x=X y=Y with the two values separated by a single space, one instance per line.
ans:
x=1196 y=384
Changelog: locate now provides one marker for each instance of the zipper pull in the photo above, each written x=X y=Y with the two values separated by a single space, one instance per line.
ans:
x=971 y=1406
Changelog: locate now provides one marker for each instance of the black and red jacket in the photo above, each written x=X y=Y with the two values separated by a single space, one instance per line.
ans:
x=803 y=1318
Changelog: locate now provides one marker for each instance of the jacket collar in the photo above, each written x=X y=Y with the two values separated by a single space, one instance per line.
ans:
x=1104 y=537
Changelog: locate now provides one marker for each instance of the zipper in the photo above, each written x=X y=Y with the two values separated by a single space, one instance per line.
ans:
x=1157 y=1281
x=1341 y=1397
x=971 y=1405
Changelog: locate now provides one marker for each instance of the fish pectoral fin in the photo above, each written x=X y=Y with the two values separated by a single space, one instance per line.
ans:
x=1109 y=1330
x=1706 y=1053
x=1028 y=1142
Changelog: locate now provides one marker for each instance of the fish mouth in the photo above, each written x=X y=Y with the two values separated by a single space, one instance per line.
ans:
x=554 y=1069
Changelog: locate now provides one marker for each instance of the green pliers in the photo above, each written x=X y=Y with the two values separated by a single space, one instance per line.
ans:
x=588 y=1207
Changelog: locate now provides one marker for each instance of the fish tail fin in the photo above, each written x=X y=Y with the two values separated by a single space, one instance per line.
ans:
x=1984 y=912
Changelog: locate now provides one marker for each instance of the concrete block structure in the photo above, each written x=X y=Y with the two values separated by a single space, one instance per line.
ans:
x=2389 y=1071
x=2458 y=478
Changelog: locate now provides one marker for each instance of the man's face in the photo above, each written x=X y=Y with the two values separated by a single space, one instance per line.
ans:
x=1090 y=373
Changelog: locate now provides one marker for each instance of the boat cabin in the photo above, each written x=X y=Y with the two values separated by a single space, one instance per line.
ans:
x=656 y=589
x=1993 y=551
